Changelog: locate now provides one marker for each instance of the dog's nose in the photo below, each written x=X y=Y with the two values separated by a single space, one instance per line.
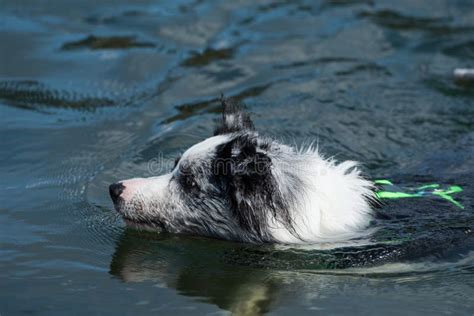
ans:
x=115 y=189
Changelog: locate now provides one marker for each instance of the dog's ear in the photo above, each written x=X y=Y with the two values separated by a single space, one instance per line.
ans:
x=250 y=186
x=234 y=119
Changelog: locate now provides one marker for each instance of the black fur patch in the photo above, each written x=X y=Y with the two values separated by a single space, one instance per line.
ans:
x=243 y=171
x=233 y=118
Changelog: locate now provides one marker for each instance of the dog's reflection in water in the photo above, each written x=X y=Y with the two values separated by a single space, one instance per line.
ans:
x=195 y=267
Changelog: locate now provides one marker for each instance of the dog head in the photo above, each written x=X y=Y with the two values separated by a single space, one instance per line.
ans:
x=238 y=185
x=221 y=187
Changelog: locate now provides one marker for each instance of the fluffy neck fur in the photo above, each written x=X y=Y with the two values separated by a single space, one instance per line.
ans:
x=329 y=201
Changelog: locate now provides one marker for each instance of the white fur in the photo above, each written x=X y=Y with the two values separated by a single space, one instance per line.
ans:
x=204 y=149
x=334 y=202
x=331 y=201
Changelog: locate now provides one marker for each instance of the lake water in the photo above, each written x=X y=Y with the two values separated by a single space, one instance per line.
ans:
x=92 y=92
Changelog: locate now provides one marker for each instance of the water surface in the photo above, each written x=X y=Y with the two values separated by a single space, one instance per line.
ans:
x=95 y=91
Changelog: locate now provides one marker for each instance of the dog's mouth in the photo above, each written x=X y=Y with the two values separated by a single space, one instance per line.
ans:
x=148 y=225
x=140 y=223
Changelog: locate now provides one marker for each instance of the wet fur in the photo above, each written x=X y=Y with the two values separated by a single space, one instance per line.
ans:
x=241 y=186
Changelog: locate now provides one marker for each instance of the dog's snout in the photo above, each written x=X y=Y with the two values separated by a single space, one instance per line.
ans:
x=115 y=189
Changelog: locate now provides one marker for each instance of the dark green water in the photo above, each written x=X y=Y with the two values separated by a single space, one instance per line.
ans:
x=92 y=91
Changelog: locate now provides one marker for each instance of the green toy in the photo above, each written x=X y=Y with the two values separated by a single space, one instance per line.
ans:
x=391 y=191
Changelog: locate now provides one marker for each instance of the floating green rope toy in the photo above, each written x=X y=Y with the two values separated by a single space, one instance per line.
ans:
x=391 y=191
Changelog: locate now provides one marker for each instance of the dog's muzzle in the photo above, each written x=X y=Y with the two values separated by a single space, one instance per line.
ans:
x=115 y=190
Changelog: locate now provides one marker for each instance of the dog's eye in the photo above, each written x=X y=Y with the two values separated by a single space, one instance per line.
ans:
x=190 y=182
x=186 y=177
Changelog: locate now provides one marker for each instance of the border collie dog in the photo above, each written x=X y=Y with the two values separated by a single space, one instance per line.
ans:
x=239 y=185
